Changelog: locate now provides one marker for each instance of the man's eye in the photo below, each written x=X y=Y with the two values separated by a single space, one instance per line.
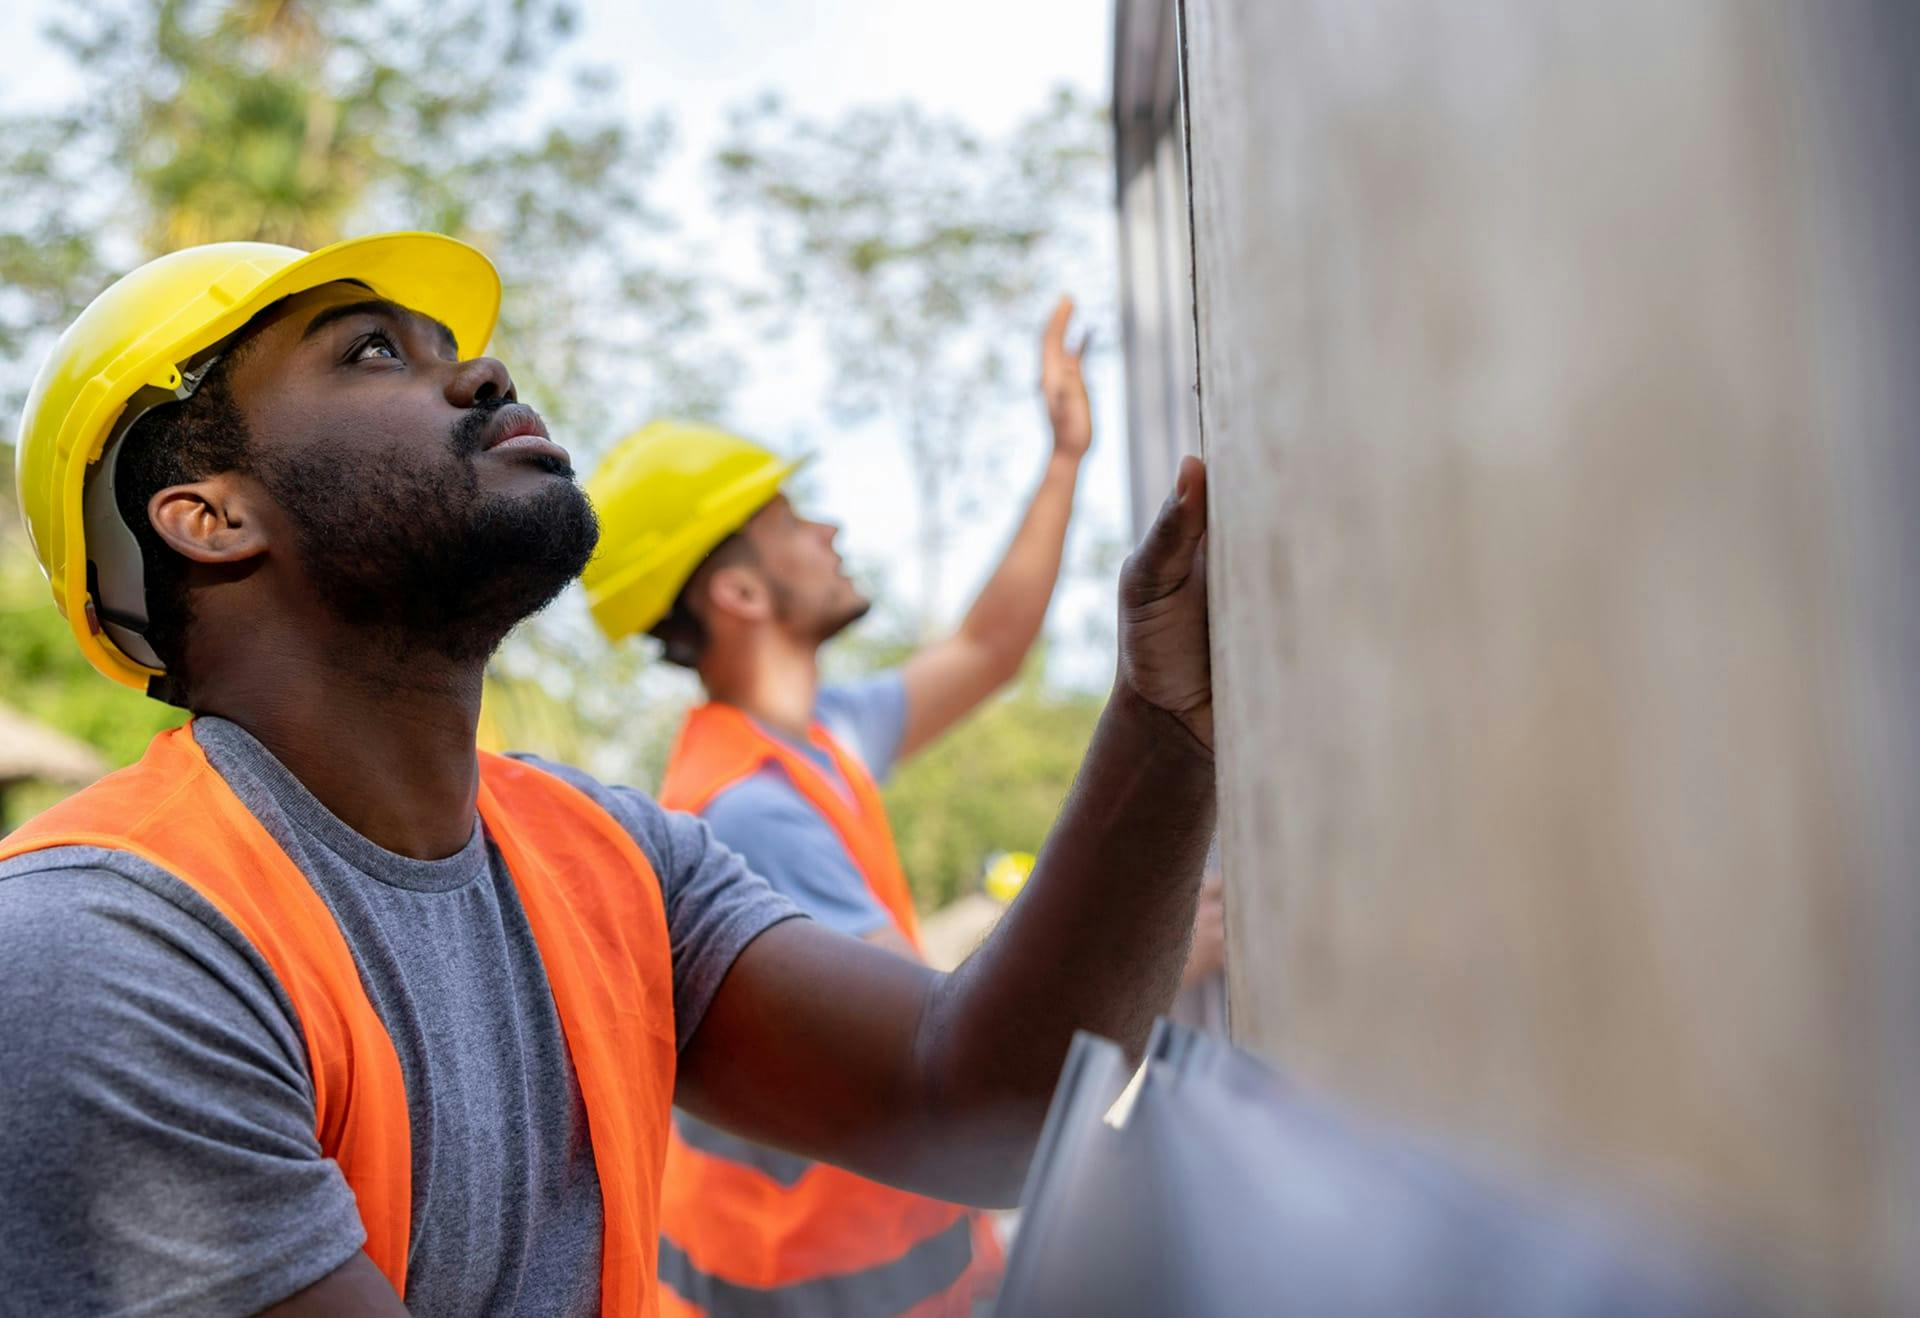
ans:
x=373 y=345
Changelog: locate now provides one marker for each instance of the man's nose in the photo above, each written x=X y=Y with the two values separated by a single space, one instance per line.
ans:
x=480 y=381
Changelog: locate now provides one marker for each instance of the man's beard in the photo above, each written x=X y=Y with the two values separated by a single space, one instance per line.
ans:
x=418 y=557
x=825 y=622
x=833 y=624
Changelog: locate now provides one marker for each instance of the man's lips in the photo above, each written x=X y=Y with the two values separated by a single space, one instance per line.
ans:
x=518 y=429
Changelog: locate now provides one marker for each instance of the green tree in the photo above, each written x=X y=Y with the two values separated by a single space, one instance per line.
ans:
x=42 y=674
x=302 y=121
x=995 y=784
x=924 y=256
x=299 y=121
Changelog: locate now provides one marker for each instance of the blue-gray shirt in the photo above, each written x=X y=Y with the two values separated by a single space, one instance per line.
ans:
x=157 y=1148
x=789 y=843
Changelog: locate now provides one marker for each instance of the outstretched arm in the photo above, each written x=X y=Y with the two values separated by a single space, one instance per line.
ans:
x=836 y=1050
x=948 y=678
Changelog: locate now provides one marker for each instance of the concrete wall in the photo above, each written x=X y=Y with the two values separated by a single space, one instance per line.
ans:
x=1556 y=381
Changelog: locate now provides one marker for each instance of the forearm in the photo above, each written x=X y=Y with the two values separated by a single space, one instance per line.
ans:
x=823 y=1045
x=1097 y=941
x=940 y=1083
x=1007 y=614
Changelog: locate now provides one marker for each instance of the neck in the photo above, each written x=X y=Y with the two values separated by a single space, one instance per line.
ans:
x=773 y=678
x=385 y=743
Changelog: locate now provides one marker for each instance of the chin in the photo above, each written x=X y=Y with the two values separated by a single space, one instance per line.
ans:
x=839 y=622
x=523 y=551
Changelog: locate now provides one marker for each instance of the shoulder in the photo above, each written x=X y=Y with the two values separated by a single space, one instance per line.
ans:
x=764 y=802
x=89 y=935
x=879 y=693
x=671 y=841
x=70 y=898
x=715 y=904
x=869 y=716
x=160 y=1132
x=792 y=846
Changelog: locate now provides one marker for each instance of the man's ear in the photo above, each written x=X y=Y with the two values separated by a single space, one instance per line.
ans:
x=216 y=520
x=739 y=591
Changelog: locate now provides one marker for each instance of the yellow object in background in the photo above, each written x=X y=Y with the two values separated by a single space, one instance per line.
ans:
x=519 y=713
x=666 y=495
x=149 y=339
x=1007 y=873
x=490 y=734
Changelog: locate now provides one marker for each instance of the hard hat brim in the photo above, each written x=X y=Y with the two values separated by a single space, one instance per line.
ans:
x=429 y=273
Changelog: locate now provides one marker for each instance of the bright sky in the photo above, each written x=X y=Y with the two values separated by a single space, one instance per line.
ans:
x=988 y=62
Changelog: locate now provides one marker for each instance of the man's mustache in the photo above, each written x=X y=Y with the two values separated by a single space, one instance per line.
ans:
x=470 y=431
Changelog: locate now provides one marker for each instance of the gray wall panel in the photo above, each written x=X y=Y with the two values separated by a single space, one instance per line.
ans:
x=1555 y=378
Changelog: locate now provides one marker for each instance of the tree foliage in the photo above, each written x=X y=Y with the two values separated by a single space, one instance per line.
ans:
x=42 y=673
x=994 y=784
x=303 y=121
x=924 y=255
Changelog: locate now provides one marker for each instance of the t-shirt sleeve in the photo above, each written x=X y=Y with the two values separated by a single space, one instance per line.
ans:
x=715 y=904
x=870 y=716
x=157 y=1146
x=786 y=842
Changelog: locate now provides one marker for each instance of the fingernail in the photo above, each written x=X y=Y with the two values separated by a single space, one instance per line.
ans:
x=1181 y=484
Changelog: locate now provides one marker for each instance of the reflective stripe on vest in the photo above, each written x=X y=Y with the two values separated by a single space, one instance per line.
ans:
x=598 y=919
x=928 y=1271
x=750 y=1231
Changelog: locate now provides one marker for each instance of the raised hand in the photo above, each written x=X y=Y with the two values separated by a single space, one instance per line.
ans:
x=1063 y=386
x=1163 y=608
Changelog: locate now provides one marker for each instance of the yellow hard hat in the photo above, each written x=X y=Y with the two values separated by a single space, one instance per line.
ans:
x=666 y=495
x=150 y=339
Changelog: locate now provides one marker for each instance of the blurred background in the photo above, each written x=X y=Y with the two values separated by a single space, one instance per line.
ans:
x=834 y=227
x=1554 y=368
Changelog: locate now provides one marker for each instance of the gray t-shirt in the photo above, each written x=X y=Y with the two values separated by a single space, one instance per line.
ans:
x=788 y=842
x=157 y=1147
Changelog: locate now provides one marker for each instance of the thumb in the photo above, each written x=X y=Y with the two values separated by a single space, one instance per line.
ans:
x=1165 y=557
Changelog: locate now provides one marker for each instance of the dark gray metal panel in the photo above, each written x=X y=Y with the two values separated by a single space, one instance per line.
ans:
x=1155 y=250
x=1214 y=1190
x=1857 y=61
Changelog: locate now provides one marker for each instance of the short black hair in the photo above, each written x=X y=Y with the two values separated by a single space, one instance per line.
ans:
x=178 y=442
x=682 y=634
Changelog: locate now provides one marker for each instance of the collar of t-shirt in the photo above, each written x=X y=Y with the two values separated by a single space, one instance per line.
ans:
x=814 y=755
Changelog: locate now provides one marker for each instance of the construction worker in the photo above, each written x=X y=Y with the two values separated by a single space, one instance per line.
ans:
x=315 y=1009
x=699 y=546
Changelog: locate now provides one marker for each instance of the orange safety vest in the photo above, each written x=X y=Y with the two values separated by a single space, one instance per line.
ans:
x=805 y=1238
x=595 y=908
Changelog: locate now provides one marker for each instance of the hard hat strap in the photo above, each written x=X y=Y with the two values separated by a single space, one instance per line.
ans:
x=117 y=575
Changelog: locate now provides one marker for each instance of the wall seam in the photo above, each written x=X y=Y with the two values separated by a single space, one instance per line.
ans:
x=1193 y=240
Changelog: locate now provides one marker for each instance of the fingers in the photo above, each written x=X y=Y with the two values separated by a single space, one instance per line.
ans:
x=1057 y=322
x=1053 y=343
x=1166 y=554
